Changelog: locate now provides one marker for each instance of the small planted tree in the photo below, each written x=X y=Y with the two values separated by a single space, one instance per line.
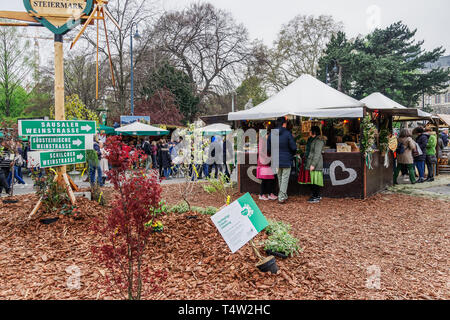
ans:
x=130 y=224
x=189 y=155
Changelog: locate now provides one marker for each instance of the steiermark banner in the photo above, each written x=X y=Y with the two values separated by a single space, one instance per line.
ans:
x=240 y=222
x=62 y=142
x=48 y=159
x=56 y=127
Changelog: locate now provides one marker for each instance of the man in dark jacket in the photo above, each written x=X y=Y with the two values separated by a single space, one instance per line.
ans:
x=283 y=156
x=444 y=136
x=419 y=160
x=5 y=165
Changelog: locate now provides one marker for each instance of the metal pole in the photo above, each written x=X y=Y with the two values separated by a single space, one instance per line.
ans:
x=132 y=72
x=232 y=102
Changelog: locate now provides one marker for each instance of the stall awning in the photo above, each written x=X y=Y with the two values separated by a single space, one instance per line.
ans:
x=410 y=114
x=303 y=97
x=445 y=118
x=141 y=129
x=378 y=101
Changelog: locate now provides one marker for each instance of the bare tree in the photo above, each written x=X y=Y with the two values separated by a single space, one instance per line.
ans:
x=79 y=78
x=297 y=49
x=15 y=64
x=128 y=14
x=207 y=43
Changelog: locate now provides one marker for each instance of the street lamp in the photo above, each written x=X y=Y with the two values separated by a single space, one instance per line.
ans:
x=136 y=36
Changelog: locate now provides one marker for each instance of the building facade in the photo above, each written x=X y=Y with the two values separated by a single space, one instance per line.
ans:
x=439 y=103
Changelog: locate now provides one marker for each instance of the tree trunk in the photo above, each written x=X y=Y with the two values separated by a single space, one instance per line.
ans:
x=340 y=78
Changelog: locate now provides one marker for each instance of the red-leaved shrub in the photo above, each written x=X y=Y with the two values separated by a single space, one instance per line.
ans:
x=128 y=227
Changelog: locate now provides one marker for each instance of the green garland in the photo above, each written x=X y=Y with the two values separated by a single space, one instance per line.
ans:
x=369 y=133
x=384 y=140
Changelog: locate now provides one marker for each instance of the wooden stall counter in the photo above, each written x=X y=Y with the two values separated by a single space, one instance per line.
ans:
x=345 y=176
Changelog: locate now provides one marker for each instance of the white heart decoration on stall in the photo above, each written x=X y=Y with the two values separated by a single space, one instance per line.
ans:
x=251 y=175
x=352 y=174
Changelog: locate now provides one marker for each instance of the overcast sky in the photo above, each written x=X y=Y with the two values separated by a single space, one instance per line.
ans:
x=263 y=18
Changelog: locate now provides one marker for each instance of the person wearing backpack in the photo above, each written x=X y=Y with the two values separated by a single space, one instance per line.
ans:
x=431 y=159
x=18 y=163
x=405 y=158
x=147 y=148
x=419 y=157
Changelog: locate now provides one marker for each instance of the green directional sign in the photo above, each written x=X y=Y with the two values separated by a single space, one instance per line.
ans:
x=48 y=159
x=56 y=127
x=61 y=142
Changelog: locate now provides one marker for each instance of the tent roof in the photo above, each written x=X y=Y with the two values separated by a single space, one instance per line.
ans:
x=141 y=129
x=216 y=129
x=378 y=101
x=445 y=118
x=300 y=98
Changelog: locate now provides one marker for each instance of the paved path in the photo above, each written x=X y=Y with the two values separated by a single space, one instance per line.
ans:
x=29 y=189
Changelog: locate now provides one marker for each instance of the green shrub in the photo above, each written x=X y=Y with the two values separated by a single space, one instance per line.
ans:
x=280 y=240
x=206 y=211
x=209 y=189
x=276 y=227
x=282 y=243
x=210 y=211
x=181 y=207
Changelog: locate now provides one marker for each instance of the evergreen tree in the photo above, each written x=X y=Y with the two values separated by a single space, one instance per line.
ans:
x=389 y=61
x=178 y=83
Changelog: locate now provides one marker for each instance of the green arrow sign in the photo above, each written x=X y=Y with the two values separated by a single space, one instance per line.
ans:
x=61 y=142
x=56 y=127
x=55 y=158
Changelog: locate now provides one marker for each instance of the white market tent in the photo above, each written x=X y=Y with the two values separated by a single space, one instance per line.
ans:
x=306 y=97
x=378 y=101
x=141 y=129
x=216 y=129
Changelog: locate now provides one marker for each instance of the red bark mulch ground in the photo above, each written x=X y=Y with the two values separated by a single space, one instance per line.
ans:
x=406 y=237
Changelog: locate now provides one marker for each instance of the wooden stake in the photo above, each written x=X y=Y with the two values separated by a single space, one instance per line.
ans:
x=258 y=254
x=69 y=189
x=72 y=184
x=36 y=208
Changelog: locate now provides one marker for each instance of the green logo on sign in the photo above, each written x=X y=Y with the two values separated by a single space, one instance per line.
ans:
x=247 y=211
x=59 y=16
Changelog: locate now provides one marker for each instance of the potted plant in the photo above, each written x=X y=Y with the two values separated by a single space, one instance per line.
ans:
x=280 y=243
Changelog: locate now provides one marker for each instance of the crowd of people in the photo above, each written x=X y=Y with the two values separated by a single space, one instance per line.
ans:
x=12 y=160
x=417 y=150
x=415 y=157
x=310 y=172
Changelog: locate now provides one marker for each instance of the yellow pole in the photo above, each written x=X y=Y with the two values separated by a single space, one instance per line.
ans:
x=59 y=84
x=59 y=105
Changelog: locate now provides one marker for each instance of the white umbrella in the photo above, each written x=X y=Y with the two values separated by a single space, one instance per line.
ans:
x=217 y=129
x=141 y=129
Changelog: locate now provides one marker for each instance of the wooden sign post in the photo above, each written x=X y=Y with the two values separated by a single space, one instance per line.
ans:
x=60 y=17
